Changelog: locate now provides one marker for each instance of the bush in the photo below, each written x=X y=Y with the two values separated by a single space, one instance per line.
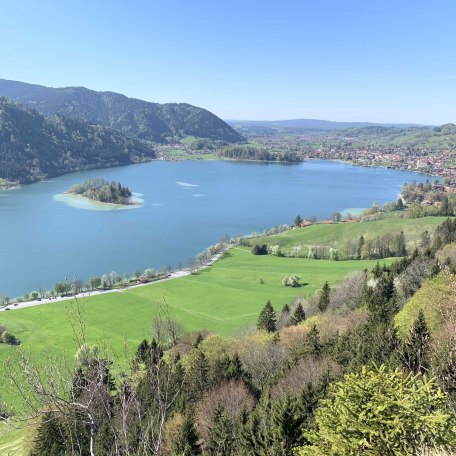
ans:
x=292 y=281
x=9 y=339
x=260 y=249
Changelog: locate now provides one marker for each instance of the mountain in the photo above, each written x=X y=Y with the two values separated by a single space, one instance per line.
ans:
x=33 y=147
x=309 y=124
x=136 y=118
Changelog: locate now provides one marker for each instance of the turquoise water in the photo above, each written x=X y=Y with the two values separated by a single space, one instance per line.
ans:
x=186 y=207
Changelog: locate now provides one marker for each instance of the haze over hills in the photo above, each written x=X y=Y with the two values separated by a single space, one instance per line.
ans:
x=33 y=147
x=136 y=118
x=312 y=124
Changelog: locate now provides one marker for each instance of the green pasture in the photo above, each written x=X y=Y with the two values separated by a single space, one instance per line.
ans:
x=223 y=298
x=335 y=234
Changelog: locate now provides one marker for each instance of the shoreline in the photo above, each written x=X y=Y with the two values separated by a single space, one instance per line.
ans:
x=77 y=195
x=82 y=202
x=87 y=294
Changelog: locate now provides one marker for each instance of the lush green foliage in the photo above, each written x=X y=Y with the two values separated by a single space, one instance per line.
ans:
x=101 y=190
x=33 y=147
x=256 y=153
x=381 y=412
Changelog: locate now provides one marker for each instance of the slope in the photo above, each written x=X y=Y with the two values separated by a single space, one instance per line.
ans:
x=136 y=118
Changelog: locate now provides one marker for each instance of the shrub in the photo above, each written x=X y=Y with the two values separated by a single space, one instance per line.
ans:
x=292 y=281
x=260 y=249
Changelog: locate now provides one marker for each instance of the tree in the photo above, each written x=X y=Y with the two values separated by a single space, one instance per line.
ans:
x=298 y=315
x=186 y=442
x=94 y=282
x=286 y=308
x=34 y=295
x=136 y=274
x=292 y=281
x=360 y=247
x=323 y=301
x=381 y=412
x=221 y=438
x=417 y=345
x=425 y=240
x=297 y=221
x=62 y=288
x=337 y=217
x=401 y=245
x=287 y=424
x=260 y=249
x=267 y=318
x=50 y=437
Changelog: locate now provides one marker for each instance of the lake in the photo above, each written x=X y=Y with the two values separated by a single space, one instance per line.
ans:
x=187 y=206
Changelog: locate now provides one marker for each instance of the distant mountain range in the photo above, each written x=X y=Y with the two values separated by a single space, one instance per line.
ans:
x=135 y=118
x=33 y=147
x=311 y=124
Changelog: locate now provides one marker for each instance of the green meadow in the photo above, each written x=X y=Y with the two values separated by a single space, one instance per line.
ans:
x=336 y=234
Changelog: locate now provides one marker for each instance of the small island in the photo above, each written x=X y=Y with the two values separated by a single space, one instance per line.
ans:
x=103 y=191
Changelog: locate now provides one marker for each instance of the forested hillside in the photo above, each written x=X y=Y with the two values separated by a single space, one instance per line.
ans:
x=367 y=367
x=136 y=118
x=33 y=147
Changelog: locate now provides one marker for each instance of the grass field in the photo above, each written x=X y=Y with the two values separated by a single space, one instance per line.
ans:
x=223 y=298
x=335 y=234
x=12 y=442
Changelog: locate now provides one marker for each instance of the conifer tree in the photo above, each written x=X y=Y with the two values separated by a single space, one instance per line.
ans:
x=323 y=302
x=50 y=438
x=197 y=377
x=286 y=308
x=298 y=315
x=143 y=351
x=313 y=343
x=287 y=424
x=417 y=345
x=186 y=443
x=401 y=245
x=377 y=270
x=267 y=319
x=221 y=436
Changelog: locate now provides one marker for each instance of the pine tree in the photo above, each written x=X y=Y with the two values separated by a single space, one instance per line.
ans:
x=221 y=436
x=286 y=308
x=197 y=380
x=298 y=315
x=186 y=443
x=416 y=346
x=313 y=343
x=323 y=302
x=104 y=439
x=377 y=270
x=143 y=351
x=286 y=423
x=401 y=245
x=50 y=438
x=267 y=318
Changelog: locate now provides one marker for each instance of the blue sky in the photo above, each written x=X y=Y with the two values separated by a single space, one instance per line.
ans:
x=346 y=60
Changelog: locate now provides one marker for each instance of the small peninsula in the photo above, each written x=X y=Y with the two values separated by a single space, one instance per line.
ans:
x=103 y=191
